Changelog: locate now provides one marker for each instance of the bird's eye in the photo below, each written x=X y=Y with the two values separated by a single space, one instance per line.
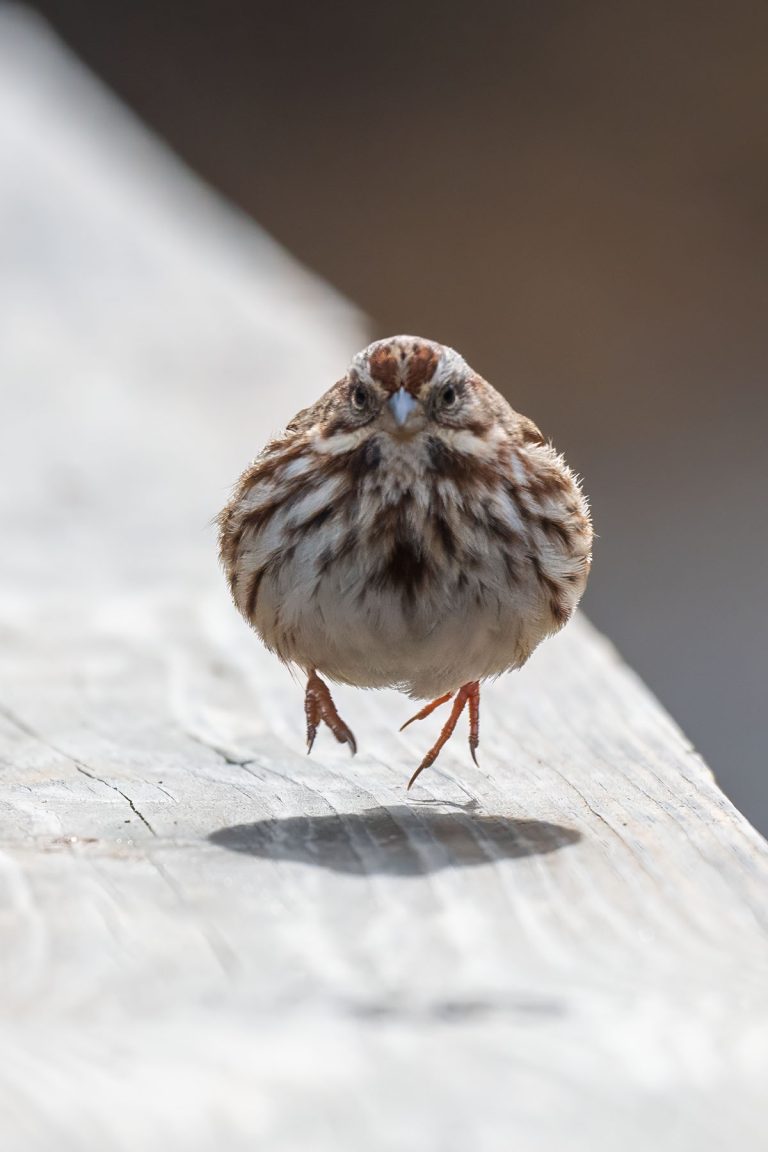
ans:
x=448 y=396
x=359 y=398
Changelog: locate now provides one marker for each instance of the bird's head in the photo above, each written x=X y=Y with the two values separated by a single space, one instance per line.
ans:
x=405 y=386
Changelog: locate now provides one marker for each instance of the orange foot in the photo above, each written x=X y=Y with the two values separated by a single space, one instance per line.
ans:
x=468 y=692
x=319 y=705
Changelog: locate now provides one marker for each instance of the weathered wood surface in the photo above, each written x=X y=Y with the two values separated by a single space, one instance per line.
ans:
x=208 y=940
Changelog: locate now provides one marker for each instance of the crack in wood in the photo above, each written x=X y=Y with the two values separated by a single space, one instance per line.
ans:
x=22 y=726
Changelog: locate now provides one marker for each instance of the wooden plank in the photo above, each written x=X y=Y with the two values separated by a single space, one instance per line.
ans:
x=208 y=940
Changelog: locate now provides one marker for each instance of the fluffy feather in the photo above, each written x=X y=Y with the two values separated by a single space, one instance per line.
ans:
x=424 y=557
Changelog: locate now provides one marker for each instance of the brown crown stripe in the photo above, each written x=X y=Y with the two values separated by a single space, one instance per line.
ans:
x=420 y=367
x=411 y=369
x=383 y=366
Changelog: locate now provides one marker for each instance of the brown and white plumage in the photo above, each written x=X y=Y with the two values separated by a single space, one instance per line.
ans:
x=409 y=530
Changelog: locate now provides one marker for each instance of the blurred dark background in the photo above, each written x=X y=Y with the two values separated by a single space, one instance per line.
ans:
x=575 y=195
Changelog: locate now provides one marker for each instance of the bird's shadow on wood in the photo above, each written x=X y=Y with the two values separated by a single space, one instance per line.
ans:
x=403 y=840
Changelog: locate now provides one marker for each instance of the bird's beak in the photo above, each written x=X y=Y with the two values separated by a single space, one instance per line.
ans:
x=402 y=404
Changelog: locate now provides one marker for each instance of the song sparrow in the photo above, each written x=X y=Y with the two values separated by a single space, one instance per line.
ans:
x=409 y=530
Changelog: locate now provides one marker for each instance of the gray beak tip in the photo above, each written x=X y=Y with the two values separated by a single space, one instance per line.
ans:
x=402 y=404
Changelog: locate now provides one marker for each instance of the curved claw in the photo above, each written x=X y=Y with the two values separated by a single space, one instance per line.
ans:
x=319 y=705
x=474 y=719
x=428 y=760
x=467 y=694
x=428 y=709
x=418 y=771
x=343 y=733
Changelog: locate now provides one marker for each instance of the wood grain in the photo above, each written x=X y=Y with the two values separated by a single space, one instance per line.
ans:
x=209 y=940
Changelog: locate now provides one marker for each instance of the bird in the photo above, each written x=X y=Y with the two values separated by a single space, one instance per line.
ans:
x=409 y=530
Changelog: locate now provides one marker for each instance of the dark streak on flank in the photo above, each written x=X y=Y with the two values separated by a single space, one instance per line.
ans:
x=544 y=580
x=559 y=611
x=253 y=592
x=554 y=529
x=544 y=484
x=257 y=519
x=513 y=572
x=317 y=519
x=254 y=521
x=332 y=555
x=561 y=614
x=497 y=527
x=284 y=454
x=512 y=490
x=325 y=560
x=348 y=544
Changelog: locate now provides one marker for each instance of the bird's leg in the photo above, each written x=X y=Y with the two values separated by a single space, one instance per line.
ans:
x=468 y=693
x=473 y=691
x=319 y=705
x=428 y=709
